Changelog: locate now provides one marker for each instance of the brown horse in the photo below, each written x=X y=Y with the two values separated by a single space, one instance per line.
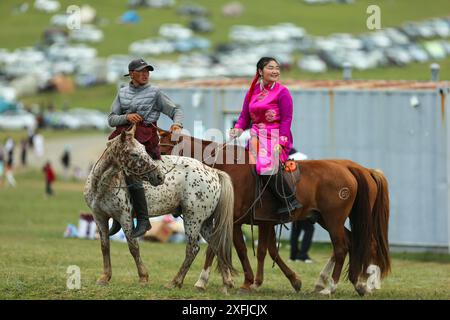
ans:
x=334 y=190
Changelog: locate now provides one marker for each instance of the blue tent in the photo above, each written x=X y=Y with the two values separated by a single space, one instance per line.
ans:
x=130 y=17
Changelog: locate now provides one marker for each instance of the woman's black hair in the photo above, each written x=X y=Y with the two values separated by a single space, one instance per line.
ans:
x=264 y=61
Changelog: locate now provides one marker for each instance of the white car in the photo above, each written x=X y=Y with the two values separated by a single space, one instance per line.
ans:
x=17 y=119
x=87 y=33
x=47 y=5
x=313 y=64
x=91 y=118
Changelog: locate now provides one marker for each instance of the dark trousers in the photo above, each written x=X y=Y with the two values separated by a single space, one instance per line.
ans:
x=48 y=188
x=308 y=232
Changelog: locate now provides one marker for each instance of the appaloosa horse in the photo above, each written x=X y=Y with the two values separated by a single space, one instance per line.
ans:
x=203 y=194
x=330 y=189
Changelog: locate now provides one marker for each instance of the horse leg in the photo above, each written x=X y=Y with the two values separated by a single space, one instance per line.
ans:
x=340 y=249
x=204 y=275
x=263 y=238
x=288 y=272
x=241 y=249
x=226 y=277
x=126 y=222
x=371 y=278
x=133 y=246
x=206 y=231
x=192 y=249
x=324 y=277
x=102 y=224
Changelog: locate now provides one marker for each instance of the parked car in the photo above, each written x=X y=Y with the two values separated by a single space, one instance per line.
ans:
x=62 y=120
x=47 y=5
x=90 y=118
x=88 y=33
x=201 y=25
x=17 y=119
x=312 y=63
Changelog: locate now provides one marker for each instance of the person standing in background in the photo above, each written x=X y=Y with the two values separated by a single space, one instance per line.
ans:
x=49 y=178
x=2 y=165
x=23 y=151
x=65 y=161
x=308 y=231
x=9 y=150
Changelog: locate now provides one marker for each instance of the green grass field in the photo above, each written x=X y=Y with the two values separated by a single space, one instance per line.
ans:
x=34 y=258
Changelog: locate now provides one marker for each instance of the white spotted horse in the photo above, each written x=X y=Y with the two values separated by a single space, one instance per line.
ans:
x=204 y=196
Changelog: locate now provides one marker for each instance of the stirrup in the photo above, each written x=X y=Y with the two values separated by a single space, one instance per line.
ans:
x=292 y=206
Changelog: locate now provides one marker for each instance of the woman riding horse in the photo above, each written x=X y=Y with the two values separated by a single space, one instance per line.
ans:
x=268 y=106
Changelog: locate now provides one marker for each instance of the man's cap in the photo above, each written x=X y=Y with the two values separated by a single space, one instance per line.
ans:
x=138 y=65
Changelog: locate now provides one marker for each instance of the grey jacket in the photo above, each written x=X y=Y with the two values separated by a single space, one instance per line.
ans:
x=147 y=101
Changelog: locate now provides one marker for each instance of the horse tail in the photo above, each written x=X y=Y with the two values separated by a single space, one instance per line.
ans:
x=380 y=215
x=361 y=228
x=222 y=237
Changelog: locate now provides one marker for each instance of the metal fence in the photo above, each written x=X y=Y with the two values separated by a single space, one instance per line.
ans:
x=405 y=133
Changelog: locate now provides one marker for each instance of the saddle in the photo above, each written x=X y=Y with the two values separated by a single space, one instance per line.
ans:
x=291 y=173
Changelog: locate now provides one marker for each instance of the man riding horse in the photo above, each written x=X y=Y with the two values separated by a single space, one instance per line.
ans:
x=141 y=103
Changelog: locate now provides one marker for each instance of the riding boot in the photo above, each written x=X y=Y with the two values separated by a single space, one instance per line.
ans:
x=114 y=228
x=282 y=190
x=139 y=203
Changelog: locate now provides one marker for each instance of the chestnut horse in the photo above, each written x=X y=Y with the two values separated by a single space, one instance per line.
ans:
x=334 y=190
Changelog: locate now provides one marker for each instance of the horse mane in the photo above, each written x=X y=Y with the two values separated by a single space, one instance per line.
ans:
x=203 y=142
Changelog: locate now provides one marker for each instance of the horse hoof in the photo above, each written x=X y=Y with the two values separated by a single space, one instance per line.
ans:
x=297 y=285
x=318 y=288
x=224 y=290
x=326 y=292
x=103 y=280
x=143 y=281
x=245 y=290
x=255 y=287
x=172 y=285
x=102 y=283
x=361 y=289
x=200 y=288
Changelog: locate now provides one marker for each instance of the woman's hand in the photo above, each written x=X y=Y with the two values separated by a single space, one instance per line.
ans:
x=278 y=148
x=235 y=133
x=134 y=118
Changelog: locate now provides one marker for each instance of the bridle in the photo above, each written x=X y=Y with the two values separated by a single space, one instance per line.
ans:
x=122 y=168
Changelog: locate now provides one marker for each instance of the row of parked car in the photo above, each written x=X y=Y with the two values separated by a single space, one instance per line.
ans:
x=15 y=117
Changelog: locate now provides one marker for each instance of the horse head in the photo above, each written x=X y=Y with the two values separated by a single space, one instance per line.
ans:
x=171 y=143
x=131 y=157
x=167 y=141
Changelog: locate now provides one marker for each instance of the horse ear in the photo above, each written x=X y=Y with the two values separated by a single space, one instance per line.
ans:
x=162 y=133
x=132 y=130
x=123 y=136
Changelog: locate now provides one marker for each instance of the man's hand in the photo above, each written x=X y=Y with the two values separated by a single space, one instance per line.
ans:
x=134 y=118
x=235 y=133
x=175 y=128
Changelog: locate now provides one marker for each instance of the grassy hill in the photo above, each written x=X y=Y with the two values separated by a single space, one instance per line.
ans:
x=25 y=29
